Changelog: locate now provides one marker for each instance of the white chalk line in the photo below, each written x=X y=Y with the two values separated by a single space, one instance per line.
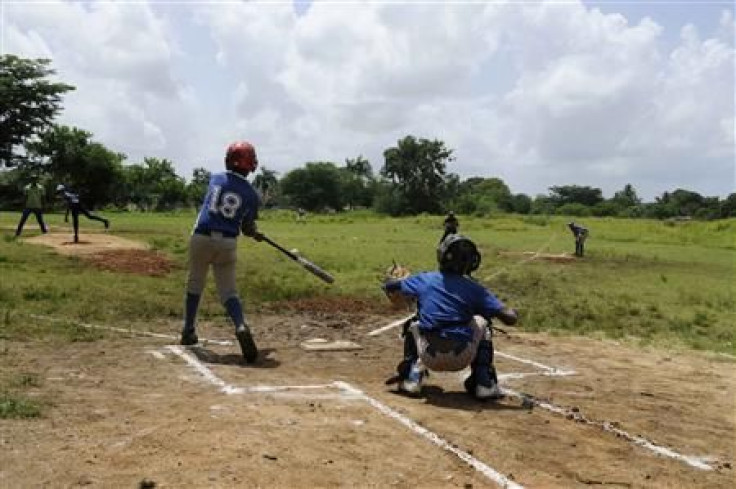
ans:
x=697 y=462
x=540 y=366
x=347 y=391
x=481 y=467
x=226 y=388
x=395 y=324
x=151 y=334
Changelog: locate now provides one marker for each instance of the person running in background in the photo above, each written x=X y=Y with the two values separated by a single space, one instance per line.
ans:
x=451 y=225
x=581 y=234
x=34 y=204
x=74 y=206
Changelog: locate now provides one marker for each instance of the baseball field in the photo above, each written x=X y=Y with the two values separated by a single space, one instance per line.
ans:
x=620 y=373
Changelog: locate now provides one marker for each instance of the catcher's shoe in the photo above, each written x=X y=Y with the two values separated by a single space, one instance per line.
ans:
x=189 y=338
x=247 y=345
x=488 y=393
x=412 y=384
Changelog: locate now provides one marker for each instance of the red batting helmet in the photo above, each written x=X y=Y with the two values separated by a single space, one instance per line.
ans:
x=241 y=156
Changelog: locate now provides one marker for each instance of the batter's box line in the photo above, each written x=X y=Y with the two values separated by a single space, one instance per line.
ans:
x=349 y=391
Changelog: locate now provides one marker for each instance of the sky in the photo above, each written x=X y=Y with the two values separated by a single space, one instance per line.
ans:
x=598 y=93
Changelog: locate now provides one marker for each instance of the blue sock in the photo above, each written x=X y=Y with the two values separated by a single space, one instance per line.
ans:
x=190 y=311
x=235 y=310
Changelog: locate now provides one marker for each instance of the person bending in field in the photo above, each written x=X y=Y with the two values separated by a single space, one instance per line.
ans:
x=581 y=234
x=74 y=206
x=445 y=335
x=34 y=205
x=451 y=225
x=229 y=208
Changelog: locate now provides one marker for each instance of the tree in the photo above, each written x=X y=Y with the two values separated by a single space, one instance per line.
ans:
x=360 y=167
x=728 y=206
x=417 y=168
x=626 y=197
x=315 y=187
x=197 y=186
x=489 y=193
x=70 y=156
x=155 y=184
x=29 y=102
x=521 y=204
x=575 y=194
x=267 y=184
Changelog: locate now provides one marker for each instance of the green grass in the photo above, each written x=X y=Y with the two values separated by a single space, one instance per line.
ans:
x=654 y=282
x=18 y=406
x=14 y=402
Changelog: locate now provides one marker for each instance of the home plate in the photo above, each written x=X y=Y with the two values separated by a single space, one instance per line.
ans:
x=321 y=344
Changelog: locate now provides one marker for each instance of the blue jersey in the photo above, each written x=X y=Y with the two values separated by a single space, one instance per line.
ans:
x=447 y=303
x=230 y=203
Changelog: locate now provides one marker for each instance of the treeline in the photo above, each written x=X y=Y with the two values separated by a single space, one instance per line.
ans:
x=412 y=179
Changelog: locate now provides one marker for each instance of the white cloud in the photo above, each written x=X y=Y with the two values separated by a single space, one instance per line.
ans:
x=539 y=94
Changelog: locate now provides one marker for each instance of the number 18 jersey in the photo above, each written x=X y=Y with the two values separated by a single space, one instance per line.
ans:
x=230 y=201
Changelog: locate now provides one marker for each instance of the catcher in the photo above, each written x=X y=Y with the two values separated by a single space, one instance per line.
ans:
x=444 y=335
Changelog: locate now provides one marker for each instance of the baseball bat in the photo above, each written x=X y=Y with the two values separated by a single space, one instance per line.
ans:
x=311 y=267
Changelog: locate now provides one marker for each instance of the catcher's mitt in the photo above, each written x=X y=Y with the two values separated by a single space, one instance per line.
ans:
x=398 y=300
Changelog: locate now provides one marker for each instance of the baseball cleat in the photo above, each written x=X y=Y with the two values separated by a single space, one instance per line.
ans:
x=412 y=384
x=485 y=393
x=247 y=345
x=189 y=338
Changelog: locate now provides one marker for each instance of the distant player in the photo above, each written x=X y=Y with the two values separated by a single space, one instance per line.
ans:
x=451 y=225
x=34 y=205
x=301 y=215
x=445 y=336
x=74 y=206
x=229 y=208
x=581 y=234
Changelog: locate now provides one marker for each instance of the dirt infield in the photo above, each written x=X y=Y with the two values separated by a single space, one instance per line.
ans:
x=126 y=409
x=108 y=252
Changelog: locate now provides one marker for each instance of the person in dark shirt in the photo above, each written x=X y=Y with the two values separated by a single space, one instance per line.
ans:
x=581 y=234
x=451 y=225
x=75 y=207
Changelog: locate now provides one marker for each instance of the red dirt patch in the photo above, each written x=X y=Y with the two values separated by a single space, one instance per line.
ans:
x=140 y=262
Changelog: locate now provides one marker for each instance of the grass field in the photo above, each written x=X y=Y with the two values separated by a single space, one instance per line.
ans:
x=671 y=284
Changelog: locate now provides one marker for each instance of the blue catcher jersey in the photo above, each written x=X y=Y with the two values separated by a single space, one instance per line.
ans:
x=447 y=303
x=230 y=201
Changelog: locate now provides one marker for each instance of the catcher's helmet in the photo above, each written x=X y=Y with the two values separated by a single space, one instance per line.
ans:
x=458 y=254
x=241 y=156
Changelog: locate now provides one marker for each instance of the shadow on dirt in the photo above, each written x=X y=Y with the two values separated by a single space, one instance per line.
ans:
x=436 y=396
x=208 y=356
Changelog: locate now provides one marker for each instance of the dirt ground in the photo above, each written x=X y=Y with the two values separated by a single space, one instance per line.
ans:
x=108 y=252
x=128 y=411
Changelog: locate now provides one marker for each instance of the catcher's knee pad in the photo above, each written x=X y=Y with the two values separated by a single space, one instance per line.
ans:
x=482 y=370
